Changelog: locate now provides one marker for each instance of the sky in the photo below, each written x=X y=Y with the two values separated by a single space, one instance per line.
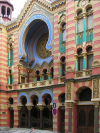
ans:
x=18 y=5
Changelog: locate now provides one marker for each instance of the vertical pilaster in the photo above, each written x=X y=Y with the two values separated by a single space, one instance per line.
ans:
x=84 y=15
x=76 y=30
x=59 y=39
x=70 y=105
x=19 y=67
x=75 y=62
x=84 y=55
x=41 y=116
x=96 y=117
x=28 y=71
x=8 y=58
x=59 y=64
x=19 y=116
x=29 y=116
x=41 y=77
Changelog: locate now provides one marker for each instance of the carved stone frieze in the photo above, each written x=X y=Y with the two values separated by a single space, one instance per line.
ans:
x=96 y=88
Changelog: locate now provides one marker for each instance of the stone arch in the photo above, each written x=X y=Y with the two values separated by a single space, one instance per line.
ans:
x=23 y=94
x=78 y=9
x=87 y=6
x=43 y=93
x=32 y=94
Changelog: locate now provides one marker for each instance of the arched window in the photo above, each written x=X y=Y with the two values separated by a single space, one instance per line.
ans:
x=63 y=66
x=8 y=12
x=64 y=32
x=89 y=57
x=37 y=75
x=45 y=74
x=90 y=22
x=52 y=72
x=3 y=10
x=80 y=60
x=80 y=23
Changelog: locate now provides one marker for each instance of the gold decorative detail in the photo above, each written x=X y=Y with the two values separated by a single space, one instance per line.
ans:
x=89 y=31
x=62 y=79
x=19 y=66
x=34 y=84
x=11 y=39
x=19 y=107
x=84 y=14
x=96 y=103
x=59 y=29
x=96 y=88
x=29 y=107
x=40 y=107
x=84 y=54
x=26 y=85
x=70 y=105
x=59 y=64
x=42 y=83
x=75 y=18
x=89 y=73
x=40 y=48
x=68 y=91
x=79 y=74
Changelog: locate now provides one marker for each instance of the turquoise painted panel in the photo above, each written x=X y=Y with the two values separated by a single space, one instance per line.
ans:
x=34 y=80
x=59 y=42
x=80 y=39
x=49 y=77
x=84 y=29
x=89 y=37
x=75 y=64
x=84 y=63
x=8 y=60
x=12 y=57
x=8 y=80
x=59 y=71
x=63 y=49
x=75 y=32
x=12 y=80
x=41 y=78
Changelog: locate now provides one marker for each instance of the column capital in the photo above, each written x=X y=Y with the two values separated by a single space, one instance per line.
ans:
x=48 y=74
x=59 y=64
x=28 y=69
x=19 y=107
x=96 y=103
x=70 y=105
x=41 y=107
x=41 y=75
x=75 y=18
x=84 y=14
x=59 y=29
x=29 y=107
x=19 y=66
x=84 y=54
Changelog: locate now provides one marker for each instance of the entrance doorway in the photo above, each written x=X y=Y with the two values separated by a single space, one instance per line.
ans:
x=62 y=129
x=85 y=119
x=11 y=118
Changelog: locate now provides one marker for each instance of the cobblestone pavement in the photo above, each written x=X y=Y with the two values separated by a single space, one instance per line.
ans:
x=23 y=130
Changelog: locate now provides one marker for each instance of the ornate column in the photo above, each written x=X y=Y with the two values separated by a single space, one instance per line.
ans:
x=84 y=55
x=19 y=67
x=70 y=106
x=28 y=71
x=59 y=39
x=41 y=77
x=19 y=115
x=41 y=116
x=49 y=76
x=29 y=116
x=59 y=64
x=96 y=117
x=75 y=62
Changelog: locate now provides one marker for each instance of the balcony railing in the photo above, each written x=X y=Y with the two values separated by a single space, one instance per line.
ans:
x=84 y=73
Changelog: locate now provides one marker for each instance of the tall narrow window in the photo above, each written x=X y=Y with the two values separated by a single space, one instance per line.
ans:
x=45 y=74
x=64 y=32
x=3 y=10
x=90 y=22
x=63 y=66
x=89 y=57
x=37 y=75
x=80 y=60
x=52 y=72
x=80 y=22
x=22 y=80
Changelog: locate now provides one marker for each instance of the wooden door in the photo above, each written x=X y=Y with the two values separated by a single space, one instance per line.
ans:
x=85 y=119
x=11 y=118
x=62 y=129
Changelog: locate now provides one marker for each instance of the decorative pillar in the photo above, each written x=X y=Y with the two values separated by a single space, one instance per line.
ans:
x=28 y=71
x=59 y=64
x=84 y=55
x=75 y=62
x=70 y=106
x=34 y=78
x=29 y=116
x=8 y=57
x=41 y=116
x=41 y=77
x=19 y=115
x=75 y=29
x=19 y=67
x=49 y=76
x=96 y=117
x=84 y=15
x=59 y=39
